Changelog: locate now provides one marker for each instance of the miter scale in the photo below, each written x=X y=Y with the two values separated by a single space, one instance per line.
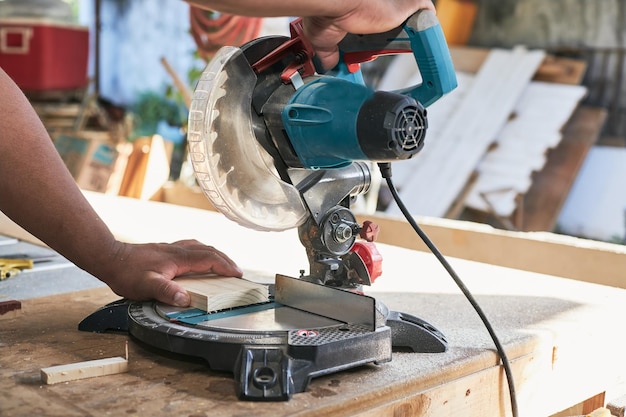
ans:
x=276 y=146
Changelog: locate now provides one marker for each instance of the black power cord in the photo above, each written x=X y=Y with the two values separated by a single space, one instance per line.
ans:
x=385 y=170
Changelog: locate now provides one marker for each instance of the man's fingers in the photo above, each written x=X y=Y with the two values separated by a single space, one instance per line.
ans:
x=202 y=258
x=324 y=37
x=171 y=293
x=328 y=59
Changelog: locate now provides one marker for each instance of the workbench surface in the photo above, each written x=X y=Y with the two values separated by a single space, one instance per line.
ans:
x=563 y=339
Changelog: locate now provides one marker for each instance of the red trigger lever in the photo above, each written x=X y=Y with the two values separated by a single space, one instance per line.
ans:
x=301 y=49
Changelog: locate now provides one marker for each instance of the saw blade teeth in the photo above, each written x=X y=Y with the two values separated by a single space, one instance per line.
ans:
x=232 y=170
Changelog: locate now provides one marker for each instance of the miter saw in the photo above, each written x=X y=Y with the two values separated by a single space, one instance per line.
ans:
x=277 y=145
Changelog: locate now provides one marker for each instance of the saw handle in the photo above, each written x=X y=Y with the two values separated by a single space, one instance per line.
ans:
x=432 y=57
x=422 y=35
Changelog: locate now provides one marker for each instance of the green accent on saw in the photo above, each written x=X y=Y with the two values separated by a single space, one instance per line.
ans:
x=195 y=316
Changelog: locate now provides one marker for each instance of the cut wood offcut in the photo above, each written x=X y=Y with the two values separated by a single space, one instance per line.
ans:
x=82 y=370
x=87 y=369
x=213 y=293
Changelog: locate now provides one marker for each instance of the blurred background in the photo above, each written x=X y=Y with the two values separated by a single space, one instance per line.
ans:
x=532 y=140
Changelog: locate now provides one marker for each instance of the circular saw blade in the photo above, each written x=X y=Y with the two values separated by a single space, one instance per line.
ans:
x=236 y=174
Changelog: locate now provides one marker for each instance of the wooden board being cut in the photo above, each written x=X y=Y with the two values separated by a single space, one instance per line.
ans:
x=213 y=293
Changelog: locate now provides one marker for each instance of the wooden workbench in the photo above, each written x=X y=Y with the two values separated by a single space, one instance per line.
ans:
x=563 y=338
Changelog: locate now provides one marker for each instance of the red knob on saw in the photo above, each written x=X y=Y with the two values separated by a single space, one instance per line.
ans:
x=370 y=256
x=369 y=231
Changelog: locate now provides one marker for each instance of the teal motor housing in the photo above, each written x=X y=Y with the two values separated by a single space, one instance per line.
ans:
x=335 y=119
x=332 y=122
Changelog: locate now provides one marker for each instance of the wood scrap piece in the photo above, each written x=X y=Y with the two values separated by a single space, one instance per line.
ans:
x=617 y=407
x=147 y=169
x=561 y=70
x=440 y=173
x=10 y=309
x=213 y=293
x=82 y=370
x=600 y=412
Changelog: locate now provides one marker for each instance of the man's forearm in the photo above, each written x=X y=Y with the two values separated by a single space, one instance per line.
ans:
x=273 y=8
x=37 y=191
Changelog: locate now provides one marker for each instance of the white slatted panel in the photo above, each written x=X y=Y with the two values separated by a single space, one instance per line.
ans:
x=522 y=146
x=456 y=145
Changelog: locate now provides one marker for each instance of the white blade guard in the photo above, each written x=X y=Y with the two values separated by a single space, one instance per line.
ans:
x=236 y=174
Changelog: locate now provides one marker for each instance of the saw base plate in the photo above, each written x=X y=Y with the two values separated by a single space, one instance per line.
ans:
x=272 y=350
